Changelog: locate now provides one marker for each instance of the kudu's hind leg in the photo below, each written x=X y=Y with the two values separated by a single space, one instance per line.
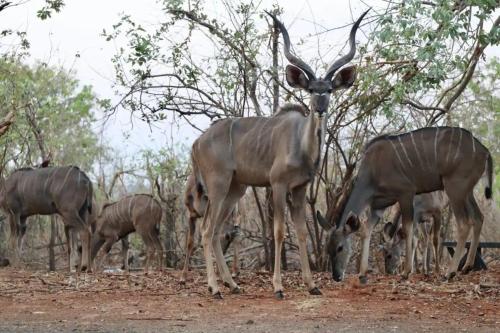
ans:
x=70 y=240
x=155 y=240
x=436 y=229
x=189 y=248
x=298 y=213
x=463 y=229
x=22 y=234
x=125 y=250
x=74 y=221
x=234 y=194
x=476 y=217
x=426 y=248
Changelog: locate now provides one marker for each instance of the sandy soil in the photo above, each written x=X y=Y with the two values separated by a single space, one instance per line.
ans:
x=58 y=302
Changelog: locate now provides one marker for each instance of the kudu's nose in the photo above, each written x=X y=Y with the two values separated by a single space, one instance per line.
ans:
x=337 y=277
x=84 y=268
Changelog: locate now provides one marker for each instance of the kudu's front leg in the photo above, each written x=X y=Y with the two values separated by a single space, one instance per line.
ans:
x=279 y=193
x=297 y=210
x=14 y=221
x=366 y=233
x=407 y=224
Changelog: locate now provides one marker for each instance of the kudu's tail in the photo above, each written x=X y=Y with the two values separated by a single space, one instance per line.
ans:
x=199 y=183
x=488 y=190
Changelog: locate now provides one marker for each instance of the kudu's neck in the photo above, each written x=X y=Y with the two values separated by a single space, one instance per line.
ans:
x=313 y=136
x=359 y=198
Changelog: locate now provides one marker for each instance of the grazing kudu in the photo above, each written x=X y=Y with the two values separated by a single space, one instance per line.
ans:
x=427 y=209
x=66 y=191
x=394 y=169
x=139 y=213
x=281 y=151
x=196 y=201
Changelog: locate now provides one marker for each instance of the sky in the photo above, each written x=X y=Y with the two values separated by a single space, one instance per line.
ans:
x=77 y=30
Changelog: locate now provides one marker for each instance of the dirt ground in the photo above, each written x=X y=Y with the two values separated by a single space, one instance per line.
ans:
x=135 y=302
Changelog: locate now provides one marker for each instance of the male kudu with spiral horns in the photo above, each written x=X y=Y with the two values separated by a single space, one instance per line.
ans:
x=282 y=151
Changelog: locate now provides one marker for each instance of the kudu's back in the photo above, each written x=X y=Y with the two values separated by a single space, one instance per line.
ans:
x=140 y=211
x=424 y=158
x=48 y=191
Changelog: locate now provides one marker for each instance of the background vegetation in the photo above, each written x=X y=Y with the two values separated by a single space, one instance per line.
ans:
x=422 y=64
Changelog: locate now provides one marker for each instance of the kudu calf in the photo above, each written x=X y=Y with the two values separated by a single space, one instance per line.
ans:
x=395 y=168
x=139 y=213
x=281 y=151
x=195 y=200
x=66 y=191
x=427 y=209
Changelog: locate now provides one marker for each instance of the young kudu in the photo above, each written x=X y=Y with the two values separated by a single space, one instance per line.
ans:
x=427 y=209
x=281 y=151
x=196 y=200
x=66 y=191
x=139 y=213
x=394 y=169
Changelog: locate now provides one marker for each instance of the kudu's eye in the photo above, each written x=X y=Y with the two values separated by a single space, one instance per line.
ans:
x=389 y=256
x=340 y=248
x=310 y=90
x=330 y=91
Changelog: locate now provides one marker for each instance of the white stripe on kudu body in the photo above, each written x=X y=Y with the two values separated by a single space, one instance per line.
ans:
x=435 y=147
x=459 y=145
x=400 y=160
x=449 y=145
x=473 y=143
x=416 y=150
x=65 y=178
x=404 y=150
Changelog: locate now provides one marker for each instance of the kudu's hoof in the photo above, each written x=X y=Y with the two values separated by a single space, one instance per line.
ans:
x=466 y=270
x=217 y=295
x=448 y=277
x=363 y=279
x=236 y=290
x=404 y=277
x=315 y=291
x=279 y=294
x=182 y=282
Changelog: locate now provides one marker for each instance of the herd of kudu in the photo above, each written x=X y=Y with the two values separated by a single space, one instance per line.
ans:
x=283 y=152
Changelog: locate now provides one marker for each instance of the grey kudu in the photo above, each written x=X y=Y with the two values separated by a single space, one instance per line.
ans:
x=66 y=191
x=281 y=151
x=195 y=200
x=139 y=213
x=395 y=168
x=427 y=216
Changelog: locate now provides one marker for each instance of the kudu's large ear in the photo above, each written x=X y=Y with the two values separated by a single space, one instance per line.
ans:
x=323 y=222
x=388 y=231
x=344 y=78
x=352 y=224
x=296 y=78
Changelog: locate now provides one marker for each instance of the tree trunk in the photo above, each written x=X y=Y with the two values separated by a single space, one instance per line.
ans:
x=171 y=258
